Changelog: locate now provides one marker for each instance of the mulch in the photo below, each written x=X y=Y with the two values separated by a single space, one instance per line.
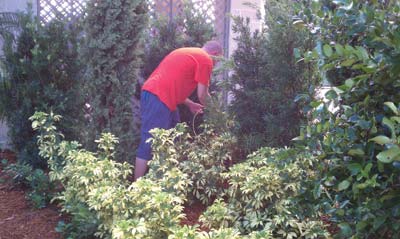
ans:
x=18 y=219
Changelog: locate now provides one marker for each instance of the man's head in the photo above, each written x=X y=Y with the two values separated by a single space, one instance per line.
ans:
x=213 y=48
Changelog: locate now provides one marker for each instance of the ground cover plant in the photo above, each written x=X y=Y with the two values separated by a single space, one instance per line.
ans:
x=102 y=201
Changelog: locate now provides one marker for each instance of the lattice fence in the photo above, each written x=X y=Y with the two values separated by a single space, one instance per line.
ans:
x=214 y=10
x=61 y=9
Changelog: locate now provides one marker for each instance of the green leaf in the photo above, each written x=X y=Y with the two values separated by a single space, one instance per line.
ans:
x=392 y=106
x=348 y=50
x=361 y=225
x=299 y=24
x=345 y=229
x=315 y=104
x=362 y=53
x=381 y=139
x=389 y=155
x=396 y=119
x=347 y=62
x=339 y=49
x=331 y=94
x=354 y=168
x=356 y=152
x=328 y=50
x=378 y=221
x=389 y=124
x=343 y=185
x=349 y=83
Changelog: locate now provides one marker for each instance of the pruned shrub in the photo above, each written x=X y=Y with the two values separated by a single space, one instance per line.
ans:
x=41 y=72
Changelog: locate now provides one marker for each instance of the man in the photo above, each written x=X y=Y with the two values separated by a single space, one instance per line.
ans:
x=171 y=83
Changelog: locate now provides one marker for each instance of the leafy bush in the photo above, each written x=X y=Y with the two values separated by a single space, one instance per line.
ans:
x=267 y=78
x=265 y=194
x=97 y=193
x=205 y=159
x=354 y=131
x=41 y=73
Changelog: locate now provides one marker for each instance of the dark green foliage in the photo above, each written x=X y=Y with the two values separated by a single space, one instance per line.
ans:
x=41 y=73
x=355 y=132
x=267 y=78
x=114 y=34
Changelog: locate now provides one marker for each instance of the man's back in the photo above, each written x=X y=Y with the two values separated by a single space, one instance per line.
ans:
x=178 y=75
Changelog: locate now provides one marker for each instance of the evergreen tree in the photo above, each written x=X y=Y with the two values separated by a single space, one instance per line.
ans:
x=267 y=78
x=42 y=73
x=114 y=34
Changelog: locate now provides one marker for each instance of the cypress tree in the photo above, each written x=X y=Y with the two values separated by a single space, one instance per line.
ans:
x=113 y=52
x=267 y=78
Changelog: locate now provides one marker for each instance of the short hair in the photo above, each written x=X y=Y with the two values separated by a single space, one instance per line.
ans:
x=213 y=47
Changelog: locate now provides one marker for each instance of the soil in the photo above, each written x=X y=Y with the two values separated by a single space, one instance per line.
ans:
x=193 y=212
x=18 y=220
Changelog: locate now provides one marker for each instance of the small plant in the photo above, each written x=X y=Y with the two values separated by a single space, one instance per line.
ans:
x=38 y=183
x=218 y=215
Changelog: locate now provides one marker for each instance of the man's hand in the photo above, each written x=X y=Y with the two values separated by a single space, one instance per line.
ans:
x=195 y=108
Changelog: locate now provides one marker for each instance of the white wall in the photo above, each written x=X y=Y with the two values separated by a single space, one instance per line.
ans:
x=16 y=5
x=240 y=8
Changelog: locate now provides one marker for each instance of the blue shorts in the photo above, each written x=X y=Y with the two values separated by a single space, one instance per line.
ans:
x=154 y=114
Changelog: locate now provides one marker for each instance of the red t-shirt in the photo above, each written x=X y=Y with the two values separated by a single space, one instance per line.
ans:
x=178 y=74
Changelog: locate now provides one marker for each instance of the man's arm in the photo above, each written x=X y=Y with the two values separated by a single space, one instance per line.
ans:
x=202 y=93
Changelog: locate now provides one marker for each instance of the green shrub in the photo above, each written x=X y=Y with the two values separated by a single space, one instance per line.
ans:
x=267 y=78
x=265 y=193
x=41 y=73
x=97 y=193
x=202 y=158
x=354 y=131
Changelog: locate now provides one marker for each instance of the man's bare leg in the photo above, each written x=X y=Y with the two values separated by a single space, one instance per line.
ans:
x=140 y=168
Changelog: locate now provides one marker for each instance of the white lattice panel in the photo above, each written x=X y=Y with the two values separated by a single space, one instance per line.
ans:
x=61 y=9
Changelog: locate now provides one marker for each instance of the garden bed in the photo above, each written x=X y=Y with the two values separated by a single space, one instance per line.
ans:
x=17 y=218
